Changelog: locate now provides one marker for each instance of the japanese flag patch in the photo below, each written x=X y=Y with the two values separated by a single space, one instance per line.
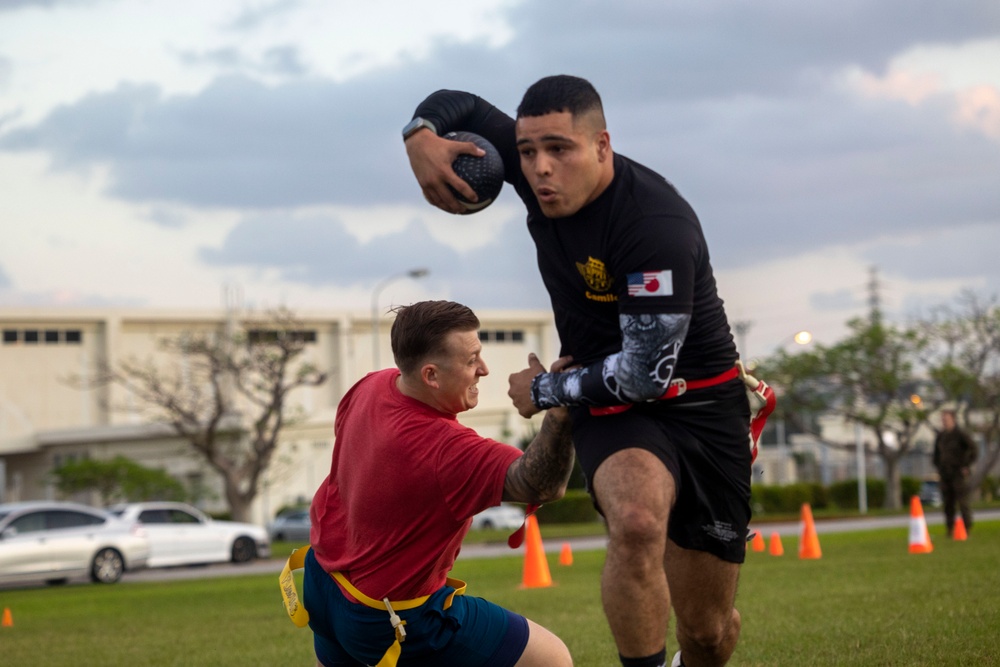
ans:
x=651 y=283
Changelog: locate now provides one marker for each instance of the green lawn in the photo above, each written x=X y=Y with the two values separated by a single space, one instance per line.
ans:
x=867 y=601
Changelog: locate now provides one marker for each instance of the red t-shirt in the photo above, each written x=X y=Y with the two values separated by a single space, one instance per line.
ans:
x=405 y=482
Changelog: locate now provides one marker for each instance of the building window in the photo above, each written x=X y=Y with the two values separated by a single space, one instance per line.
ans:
x=260 y=336
x=501 y=336
x=47 y=336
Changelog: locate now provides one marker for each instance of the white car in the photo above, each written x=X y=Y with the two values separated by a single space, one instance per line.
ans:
x=180 y=534
x=57 y=541
x=501 y=517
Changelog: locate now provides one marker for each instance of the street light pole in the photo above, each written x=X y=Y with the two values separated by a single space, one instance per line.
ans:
x=742 y=328
x=412 y=273
x=800 y=338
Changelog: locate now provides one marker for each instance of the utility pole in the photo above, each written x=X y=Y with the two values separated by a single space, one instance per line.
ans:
x=874 y=295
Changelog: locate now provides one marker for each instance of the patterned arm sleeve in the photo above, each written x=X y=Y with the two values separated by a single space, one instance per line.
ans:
x=641 y=372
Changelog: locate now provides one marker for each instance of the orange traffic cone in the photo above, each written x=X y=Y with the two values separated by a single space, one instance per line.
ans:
x=920 y=539
x=776 y=549
x=809 y=544
x=8 y=619
x=536 y=567
x=566 y=555
x=959 y=534
x=757 y=543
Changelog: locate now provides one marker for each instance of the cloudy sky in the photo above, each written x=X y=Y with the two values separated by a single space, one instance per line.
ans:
x=154 y=152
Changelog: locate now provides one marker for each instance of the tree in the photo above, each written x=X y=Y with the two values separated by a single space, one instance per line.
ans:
x=869 y=378
x=965 y=368
x=227 y=393
x=875 y=370
x=119 y=479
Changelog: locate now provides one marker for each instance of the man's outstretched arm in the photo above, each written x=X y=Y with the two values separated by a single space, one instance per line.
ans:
x=641 y=371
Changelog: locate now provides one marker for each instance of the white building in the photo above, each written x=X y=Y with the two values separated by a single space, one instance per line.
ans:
x=46 y=421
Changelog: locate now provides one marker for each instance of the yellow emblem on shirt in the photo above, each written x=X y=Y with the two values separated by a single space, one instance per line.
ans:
x=595 y=274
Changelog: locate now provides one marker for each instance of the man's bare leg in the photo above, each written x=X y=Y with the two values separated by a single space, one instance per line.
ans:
x=544 y=649
x=703 y=591
x=635 y=492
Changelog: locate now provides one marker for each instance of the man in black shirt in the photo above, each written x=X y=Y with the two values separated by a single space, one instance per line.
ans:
x=660 y=418
x=954 y=454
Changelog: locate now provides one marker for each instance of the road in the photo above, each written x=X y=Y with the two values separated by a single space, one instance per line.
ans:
x=274 y=566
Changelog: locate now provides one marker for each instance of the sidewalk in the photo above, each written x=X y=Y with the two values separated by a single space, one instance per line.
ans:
x=783 y=528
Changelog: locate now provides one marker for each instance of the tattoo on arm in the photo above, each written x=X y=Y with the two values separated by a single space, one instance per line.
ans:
x=641 y=371
x=541 y=474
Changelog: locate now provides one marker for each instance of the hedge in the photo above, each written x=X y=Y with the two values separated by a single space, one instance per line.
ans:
x=575 y=507
x=789 y=498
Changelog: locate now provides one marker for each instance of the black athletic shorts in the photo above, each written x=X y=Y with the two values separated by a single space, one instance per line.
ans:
x=704 y=443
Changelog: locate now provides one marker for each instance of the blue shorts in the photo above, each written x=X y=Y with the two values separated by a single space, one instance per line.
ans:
x=472 y=632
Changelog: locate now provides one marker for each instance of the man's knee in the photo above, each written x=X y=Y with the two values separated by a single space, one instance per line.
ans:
x=637 y=525
x=711 y=631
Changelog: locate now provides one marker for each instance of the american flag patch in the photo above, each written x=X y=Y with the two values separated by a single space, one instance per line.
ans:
x=651 y=283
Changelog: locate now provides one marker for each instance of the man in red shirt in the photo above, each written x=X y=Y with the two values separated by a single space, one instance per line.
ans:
x=405 y=482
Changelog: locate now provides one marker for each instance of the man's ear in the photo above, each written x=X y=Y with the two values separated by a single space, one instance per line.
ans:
x=603 y=145
x=429 y=375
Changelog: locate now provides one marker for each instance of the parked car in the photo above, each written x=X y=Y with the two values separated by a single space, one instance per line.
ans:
x=180 y=534
x=930 y=493
x=291 y=526
x=57 y=541
x=501 y=517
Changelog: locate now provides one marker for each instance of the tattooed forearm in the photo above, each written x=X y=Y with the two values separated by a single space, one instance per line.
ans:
x=650 y=346
x=640 y=372
x=541 y=475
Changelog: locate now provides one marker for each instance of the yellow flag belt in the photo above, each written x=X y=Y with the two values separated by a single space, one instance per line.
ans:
x=300 y=617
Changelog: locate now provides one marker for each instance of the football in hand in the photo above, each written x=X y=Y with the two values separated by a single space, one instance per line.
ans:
x=483 y=174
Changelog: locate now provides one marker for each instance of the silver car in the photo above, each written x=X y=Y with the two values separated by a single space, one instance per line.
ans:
x=57 y=541
x=180 y=534
x=291 y=526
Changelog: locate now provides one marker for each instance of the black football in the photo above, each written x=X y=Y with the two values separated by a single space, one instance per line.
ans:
x=483 y=174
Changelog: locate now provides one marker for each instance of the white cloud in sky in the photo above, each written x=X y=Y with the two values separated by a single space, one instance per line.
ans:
x=153 y=150
x=967 y=74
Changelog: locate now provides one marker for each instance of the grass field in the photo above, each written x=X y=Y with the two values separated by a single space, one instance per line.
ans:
x=867 y=601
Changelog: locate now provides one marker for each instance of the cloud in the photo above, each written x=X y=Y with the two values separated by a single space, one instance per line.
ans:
x=167 y=217
x=4 y=280
x=282 y=61
x=13 y=5
x=979 y=108
x=840 y=300
x=747 y=108
x=317 y=250
x=960 y=255
x=238 y=143
x=254 y=17
x=6 y=68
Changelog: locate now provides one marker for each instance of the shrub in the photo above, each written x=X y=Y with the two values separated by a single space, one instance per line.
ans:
x=786 y=499
x=574 y=507
x=908 y=487
x=989 y=489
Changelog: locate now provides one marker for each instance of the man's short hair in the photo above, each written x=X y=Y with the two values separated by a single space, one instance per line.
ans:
x=561 y=92
x=421 y=328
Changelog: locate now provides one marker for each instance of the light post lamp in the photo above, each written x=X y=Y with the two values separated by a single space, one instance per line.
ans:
x=412 y=273
x=802 y=337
